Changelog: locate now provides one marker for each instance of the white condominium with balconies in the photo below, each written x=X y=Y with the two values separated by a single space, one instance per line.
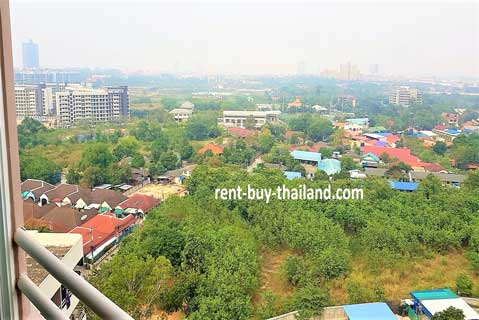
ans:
x=76 y=104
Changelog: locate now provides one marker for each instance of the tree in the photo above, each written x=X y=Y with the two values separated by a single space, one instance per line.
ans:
x=135 y=283
x=169 y=160
x=472 y=180
x=265 y=141
x=325 y=152
x=39 y=167
x=138 y=161
x=74 y=175
x=96 y=154
x=440 y=148
x=159 y=146
x=464 y=286
x=310 y=301
x=197 y=130
x=126 y=147
x=319 y=129
x=450 y=313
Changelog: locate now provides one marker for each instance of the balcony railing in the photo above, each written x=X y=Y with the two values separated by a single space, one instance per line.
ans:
x=83 y=290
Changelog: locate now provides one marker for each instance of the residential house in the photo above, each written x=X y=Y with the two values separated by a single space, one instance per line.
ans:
x=215 y=149
x=102 y=232
x=138 y=204
x=33 y=189
x=66 y=247
x=64 y=219
x=57 y=194
x=241 y=132
x=306 y=156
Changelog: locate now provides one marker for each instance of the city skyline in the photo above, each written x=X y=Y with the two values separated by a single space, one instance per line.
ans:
x=266 y=38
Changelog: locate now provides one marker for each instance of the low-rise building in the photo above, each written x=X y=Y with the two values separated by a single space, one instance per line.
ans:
x=405 y=96
x=307 y=157
x=181 y=115
x=239 y=119
x=66 y=247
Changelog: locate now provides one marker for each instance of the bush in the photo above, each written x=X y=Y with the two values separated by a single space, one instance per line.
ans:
x=464 y=286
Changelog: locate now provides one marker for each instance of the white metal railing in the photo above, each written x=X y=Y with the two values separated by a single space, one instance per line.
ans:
x=83 y=290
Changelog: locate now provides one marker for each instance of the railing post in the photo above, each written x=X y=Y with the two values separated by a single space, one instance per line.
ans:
x=83 y=290
x=47 y=308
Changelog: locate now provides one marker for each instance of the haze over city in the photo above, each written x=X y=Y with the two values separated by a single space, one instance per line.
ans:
x=419 y=39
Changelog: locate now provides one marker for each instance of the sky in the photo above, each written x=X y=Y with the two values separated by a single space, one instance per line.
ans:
x=428 y=38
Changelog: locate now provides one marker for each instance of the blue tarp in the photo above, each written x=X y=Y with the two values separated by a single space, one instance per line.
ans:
x=381 y=143
x=404 y=186
x=306 y=155
x=369 y=311
x=290 y=175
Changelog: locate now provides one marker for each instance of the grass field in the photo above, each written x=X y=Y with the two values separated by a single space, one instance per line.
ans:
x=438 y=272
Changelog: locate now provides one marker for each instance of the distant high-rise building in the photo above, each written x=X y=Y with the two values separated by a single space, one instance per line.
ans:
x=374 y=69
x=348 y=71
x=301 y=68
x=30 y=55
x=29 y=100
x=95 y=105
x=405 y=96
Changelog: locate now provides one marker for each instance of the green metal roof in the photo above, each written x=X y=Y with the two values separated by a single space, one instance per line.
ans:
x=434 y=294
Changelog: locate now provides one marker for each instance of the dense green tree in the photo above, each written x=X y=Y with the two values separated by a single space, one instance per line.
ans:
x=169 y=160
x=96 y=154
x=310 y=301
x=39 y=167
x=464 y=285
x=135 y=283
x=138 y=161
x=126 y=147
x=450 y=313
x=439 y=148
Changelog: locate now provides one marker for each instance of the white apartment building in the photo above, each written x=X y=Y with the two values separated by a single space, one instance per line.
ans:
x=238 y=118
x=181 y=115
x=78 y=103
x=405 y=96
x=183 y=112
x=68 y=247
x=28 y=100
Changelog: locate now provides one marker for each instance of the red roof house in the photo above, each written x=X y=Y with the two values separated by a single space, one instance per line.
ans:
x=401 y=154
x=241 y=132
x=101 y=230
x=141 y=202
x=215 y=149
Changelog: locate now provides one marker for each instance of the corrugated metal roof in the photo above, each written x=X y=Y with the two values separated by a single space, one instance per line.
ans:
x=434 y=294
x=404 y=186
x=290 y=175
x=330 y=166
x=369 y=311
x=306 y=155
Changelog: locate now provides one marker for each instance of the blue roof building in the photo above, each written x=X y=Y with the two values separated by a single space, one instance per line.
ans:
x=404 y=186
x=290 y=175
x=306 y=156
x=330 y=166
x=369 y=311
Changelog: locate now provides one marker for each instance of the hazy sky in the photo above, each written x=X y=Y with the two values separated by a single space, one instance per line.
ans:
x=428 y=38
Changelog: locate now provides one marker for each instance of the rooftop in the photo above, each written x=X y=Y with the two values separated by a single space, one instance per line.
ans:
x=306 y=155
x=369 y=311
